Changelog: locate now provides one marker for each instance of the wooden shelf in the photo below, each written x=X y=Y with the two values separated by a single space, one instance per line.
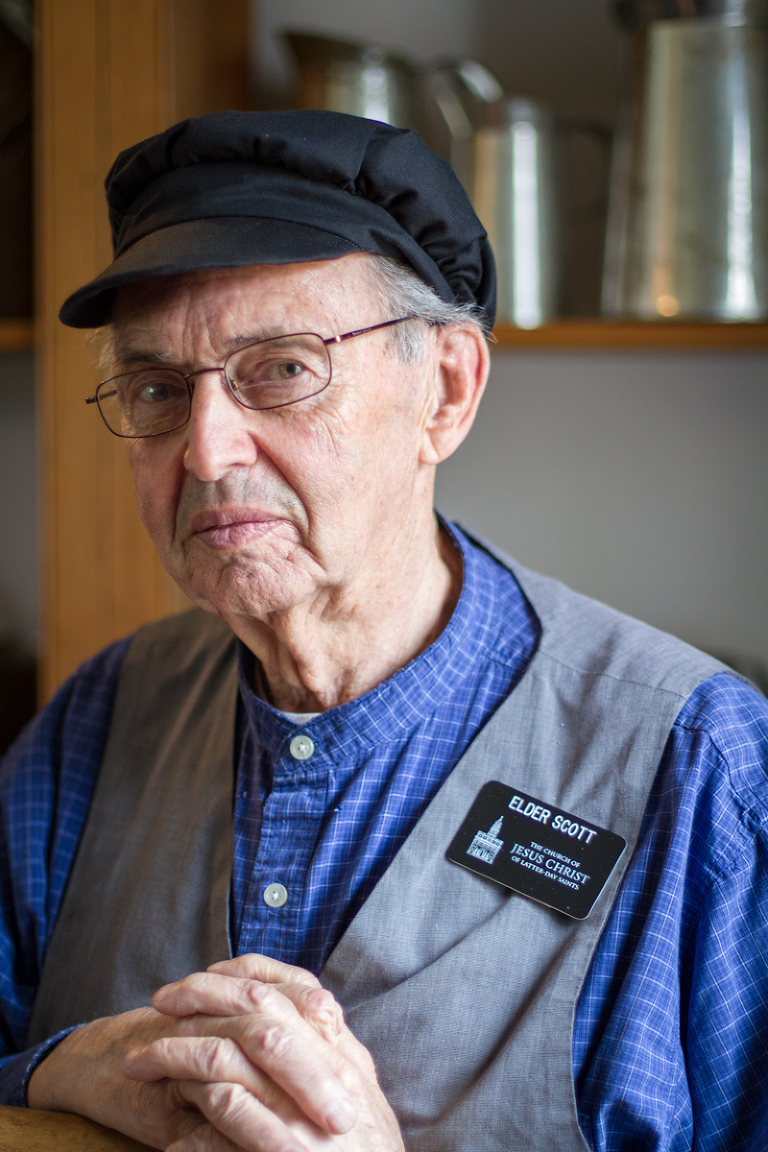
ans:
x=16 y=334
x=595 y=333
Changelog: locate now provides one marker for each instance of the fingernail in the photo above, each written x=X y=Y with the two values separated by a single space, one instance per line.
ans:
x=341 y=1116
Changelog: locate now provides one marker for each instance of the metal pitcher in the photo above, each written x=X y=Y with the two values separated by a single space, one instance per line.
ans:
x=514 y=192
x=362 y=79
x=504 y=152
x=688 y=220
x=458 y=97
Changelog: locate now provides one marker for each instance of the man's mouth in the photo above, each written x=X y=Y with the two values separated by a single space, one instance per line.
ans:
x=226 y=528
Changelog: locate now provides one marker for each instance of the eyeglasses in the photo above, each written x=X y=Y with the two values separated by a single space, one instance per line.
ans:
x=267 y=374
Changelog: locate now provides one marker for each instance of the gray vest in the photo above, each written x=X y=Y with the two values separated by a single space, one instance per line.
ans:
x=464 y=992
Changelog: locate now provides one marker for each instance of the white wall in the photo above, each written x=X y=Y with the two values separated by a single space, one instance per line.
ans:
x=640 y=479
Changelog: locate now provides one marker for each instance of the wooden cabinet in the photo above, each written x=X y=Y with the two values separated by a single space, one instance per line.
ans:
x=17 y=334
x=110 y=72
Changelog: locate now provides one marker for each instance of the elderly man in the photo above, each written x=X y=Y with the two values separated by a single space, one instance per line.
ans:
x=518 y=838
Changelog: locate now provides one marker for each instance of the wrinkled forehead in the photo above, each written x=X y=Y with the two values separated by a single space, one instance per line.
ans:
x=222 y=305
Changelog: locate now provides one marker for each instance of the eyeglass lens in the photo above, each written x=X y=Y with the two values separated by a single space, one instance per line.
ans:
x=269 y=374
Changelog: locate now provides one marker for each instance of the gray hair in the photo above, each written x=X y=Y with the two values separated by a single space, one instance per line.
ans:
x=404 y=293
x=102 y=341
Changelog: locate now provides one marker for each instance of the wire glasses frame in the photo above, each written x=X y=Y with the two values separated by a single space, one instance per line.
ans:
x=270 y=373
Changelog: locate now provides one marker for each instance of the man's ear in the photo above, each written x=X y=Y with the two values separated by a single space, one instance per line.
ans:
x=461 y=370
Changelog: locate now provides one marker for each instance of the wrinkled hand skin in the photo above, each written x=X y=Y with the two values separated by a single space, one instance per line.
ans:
x=251 y=1055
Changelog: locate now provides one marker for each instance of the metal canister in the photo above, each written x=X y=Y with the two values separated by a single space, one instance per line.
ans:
x=361 y=79
x=514 y=182
x=688 y=219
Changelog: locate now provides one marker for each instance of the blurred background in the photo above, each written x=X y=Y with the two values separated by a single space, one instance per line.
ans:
x=622 y=443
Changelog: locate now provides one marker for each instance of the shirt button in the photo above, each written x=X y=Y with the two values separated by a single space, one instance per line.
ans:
x=275 y=895
x=302 y=747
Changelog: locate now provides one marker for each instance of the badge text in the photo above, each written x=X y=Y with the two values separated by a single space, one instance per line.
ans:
x=571 y=828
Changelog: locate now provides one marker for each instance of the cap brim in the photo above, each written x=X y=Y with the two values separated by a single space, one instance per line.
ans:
x=219 y=242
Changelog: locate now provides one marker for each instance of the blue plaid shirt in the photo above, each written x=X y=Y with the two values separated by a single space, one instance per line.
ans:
x=670 y=1048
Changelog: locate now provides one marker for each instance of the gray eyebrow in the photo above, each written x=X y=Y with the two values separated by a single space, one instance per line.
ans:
x=126 y=356
x=269 y=333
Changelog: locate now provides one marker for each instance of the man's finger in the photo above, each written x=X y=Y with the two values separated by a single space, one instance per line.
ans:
x=318 y=1007
x=307 y=1008
x=237 y=1116
x=204 y=1058
x=298 y=1067
x=254 y=966
x=205 y=1138
x=278 y=1044
x=212 y=994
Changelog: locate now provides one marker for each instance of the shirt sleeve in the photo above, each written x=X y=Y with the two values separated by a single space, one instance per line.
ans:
x=46 y=783
x=671 y=1034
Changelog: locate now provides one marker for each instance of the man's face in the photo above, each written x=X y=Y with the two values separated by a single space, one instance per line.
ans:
x=255 y=512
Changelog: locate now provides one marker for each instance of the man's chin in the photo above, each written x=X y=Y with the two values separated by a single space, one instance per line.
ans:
x=246 y=587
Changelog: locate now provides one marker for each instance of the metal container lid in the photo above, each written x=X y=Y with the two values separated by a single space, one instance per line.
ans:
x=636 y=13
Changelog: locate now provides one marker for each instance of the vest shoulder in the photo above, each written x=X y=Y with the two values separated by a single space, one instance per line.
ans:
x=592 y=638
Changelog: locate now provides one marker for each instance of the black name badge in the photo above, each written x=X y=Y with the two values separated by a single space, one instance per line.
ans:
x=539 y=851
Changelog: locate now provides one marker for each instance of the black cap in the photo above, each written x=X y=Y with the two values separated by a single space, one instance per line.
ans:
x=236 y=188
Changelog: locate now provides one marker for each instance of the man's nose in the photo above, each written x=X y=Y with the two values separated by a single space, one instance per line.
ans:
x=218 y=436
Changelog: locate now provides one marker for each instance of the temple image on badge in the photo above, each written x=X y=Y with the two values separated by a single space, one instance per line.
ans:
x=486 y=845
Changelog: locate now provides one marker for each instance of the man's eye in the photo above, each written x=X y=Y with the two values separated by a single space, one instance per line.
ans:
x=269 y=374
x=290 y=368
x=157 y=391
x=276 y=372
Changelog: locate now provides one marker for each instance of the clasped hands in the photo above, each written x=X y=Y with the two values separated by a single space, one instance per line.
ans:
x=250 y=1055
